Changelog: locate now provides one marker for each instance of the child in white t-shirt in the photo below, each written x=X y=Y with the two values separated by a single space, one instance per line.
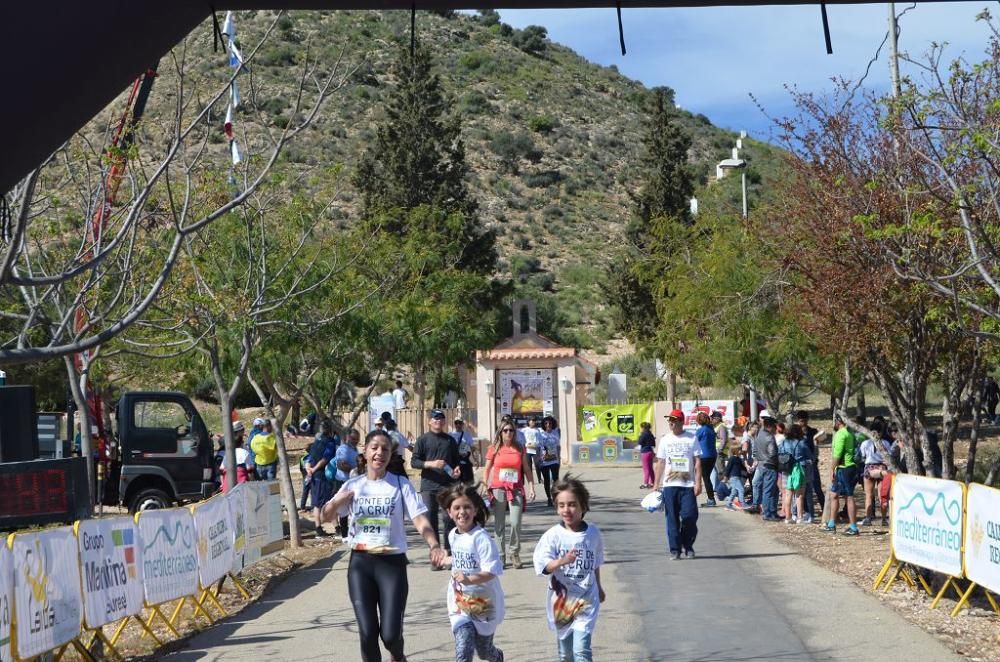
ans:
x=475 y=597
x=571 y=554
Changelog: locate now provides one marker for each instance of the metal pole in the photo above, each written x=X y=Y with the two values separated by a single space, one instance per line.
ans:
x=893 y=52
x=753 y=404
x=743 y=182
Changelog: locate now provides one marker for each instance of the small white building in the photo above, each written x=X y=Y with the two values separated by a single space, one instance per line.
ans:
x=530 y=375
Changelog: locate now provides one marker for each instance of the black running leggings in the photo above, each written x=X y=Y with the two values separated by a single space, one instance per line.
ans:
x=377 y=585
x=707 y=464
x=550 y=475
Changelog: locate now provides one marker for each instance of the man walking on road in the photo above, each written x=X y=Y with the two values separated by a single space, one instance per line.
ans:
x=678 y=472
x=765 y=450
x=436 y=455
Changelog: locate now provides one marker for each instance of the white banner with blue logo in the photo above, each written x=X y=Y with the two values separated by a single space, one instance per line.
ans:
x=927 y=522
x=169 y=554
x=111 y=565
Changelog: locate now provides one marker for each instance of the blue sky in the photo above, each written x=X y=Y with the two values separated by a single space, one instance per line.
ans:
x=715 y=57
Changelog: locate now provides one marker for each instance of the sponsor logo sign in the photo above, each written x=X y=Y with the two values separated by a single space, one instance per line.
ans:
x=982 y=536
x=111 y=565
x=927 y=523
x=692 y=408
x=169 y=554
x=265 y=529
x=47 y=596
x=213 y=524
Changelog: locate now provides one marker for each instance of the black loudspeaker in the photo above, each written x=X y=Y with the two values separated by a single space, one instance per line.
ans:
x=18 y=424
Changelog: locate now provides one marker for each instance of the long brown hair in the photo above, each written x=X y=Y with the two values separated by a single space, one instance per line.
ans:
x=498 y=439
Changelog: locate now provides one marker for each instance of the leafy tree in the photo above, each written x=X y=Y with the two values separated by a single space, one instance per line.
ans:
x=532 y=39
x=488 y=17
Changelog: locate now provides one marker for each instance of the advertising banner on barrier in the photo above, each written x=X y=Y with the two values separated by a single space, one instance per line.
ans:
x=213 y=524
x=111 y=564
x=599 y=421
x=47 y=600
x=265 y=529
x=692 y=408
x=927 y=523
x=982 y=536
x=237 y=498
x=169 y=554
x=6 y=600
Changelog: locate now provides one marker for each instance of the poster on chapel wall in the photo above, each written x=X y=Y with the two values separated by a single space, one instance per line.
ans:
x=526 y=392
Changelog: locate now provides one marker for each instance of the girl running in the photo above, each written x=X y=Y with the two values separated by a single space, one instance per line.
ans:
x=571 y=554
x=376 y=574
x=475 y=597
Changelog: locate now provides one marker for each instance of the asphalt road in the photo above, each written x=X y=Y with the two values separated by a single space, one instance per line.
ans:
x=743 y=598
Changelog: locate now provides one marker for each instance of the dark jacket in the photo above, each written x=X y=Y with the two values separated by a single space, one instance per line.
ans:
x=434 y=446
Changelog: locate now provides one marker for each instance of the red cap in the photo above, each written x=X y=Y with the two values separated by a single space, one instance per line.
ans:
x=676 y=413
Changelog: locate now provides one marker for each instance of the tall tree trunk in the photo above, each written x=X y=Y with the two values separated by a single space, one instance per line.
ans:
x=977 y=406
x=860 y=406
x=225 y=405
x=285 y=477
x=78 y=387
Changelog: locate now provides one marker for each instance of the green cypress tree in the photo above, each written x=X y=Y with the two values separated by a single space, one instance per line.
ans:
x=418 y=159
x=634 y=282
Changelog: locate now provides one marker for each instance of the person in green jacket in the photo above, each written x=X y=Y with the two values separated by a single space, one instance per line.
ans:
x=844 y=478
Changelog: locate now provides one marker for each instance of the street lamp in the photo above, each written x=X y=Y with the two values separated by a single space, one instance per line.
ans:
x=735 y=164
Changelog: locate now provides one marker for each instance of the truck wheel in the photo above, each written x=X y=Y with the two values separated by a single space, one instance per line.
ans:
x=150 y=499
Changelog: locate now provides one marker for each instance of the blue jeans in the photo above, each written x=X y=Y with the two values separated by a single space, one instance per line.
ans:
x=267 y=471
x=756 y=485
x=736 y=490
x=681 y=510
x=769 y=491
x=576 y=647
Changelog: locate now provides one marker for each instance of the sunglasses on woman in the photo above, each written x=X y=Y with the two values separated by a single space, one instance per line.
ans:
x=507 y=430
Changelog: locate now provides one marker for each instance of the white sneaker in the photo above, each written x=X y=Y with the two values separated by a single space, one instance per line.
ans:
x=806 y=520
x=791 y=520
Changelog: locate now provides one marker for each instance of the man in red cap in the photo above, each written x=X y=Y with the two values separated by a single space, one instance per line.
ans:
x=678 y=474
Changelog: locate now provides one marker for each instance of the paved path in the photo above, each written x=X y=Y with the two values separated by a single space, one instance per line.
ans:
x=744 y=598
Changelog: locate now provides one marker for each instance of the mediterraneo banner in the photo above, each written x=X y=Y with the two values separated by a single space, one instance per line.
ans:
x=600 y=421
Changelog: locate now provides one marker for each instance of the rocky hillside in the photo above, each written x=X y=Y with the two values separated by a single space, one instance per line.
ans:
x=552 y=138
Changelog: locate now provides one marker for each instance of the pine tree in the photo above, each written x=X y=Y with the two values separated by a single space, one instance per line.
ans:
x=635 y=282
x=418 y=159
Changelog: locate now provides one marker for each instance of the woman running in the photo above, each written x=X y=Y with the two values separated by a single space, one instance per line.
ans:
x=376 y=575
x=508 y=468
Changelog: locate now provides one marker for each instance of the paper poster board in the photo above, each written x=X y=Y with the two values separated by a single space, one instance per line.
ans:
x=169 y=554
x=692 y=408
x=982 y=536
x=213 y=526
x=6 y=600
x=926 y=527
x=111 y=566
x=47 y=599
x=526 y=392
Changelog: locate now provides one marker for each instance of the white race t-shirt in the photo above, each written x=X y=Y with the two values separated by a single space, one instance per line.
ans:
x=679 y=452
x=531 y=439
x=377 y=511
x=573 y=600
x=479 y=604
x=399 y=398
